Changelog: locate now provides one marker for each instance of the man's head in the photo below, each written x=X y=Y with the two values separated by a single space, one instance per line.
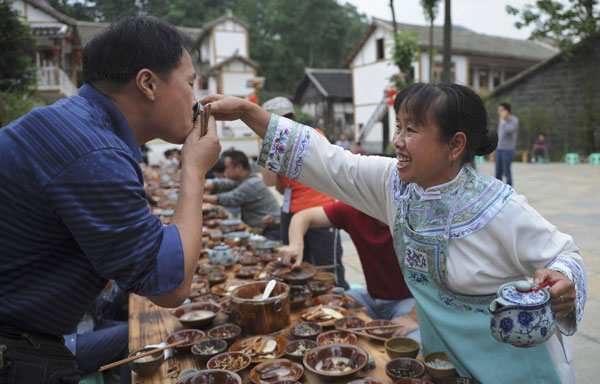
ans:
x=237 y=165
x=145 y=60
x=281 y=106
x=504 y=110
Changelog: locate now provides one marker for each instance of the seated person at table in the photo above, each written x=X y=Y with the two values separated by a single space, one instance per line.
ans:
x=387 y=296
x=539 y=151
x=245 y=190
x=102 y=335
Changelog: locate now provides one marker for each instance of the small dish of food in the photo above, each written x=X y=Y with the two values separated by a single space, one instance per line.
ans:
x=349 y=322
x=147 y=365
x=215 y=278
x=205 y=350
x=196 y=315
x=225 y=289
x=296 y=349
x=247 y=272
x=326 y=315
x=335 y=360
x=439 y=366
x=337 y=336
x=191 y=337
x=386 y=333
x=276 y=370
x=306 y=330
x=319 y=287
x=404 y=367
x=247 y=260
x=261 y=347
x=299 y=295
x=331 y=299
x=227 y=332
x=229 y=361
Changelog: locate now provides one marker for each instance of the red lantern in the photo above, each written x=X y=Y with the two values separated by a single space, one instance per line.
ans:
x=77 y=57
x=55 y=49
x=253 y=99
x=391 y=92
x=390 y=101
x=69 y=39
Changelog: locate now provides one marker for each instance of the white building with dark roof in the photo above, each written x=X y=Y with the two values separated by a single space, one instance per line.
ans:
x=480 y=61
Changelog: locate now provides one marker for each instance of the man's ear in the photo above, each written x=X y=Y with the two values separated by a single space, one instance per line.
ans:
x=146 y=83
x=457 y=145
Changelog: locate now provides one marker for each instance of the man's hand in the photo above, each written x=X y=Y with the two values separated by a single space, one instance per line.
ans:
x=562 y=293
x=269 y=222
x=292 y=254
x=408 y=325
x=200 y=153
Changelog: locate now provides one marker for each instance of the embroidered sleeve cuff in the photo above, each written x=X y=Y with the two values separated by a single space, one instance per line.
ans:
x=284 y=146
x=170 y=264
x=572 y=270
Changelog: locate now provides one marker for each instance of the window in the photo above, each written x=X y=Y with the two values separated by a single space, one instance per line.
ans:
x=496 y=78
x=438 y=67
x=380 y=50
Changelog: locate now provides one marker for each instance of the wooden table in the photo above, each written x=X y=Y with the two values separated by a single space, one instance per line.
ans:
x=150 y=324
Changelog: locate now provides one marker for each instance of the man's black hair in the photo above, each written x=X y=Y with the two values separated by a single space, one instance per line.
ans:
x=239 y=158
x=505 y=106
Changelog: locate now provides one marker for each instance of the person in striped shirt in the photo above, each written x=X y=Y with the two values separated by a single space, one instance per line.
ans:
x=73 y=210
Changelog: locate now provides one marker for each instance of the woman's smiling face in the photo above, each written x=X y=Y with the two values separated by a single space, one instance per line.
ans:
x=423 y=156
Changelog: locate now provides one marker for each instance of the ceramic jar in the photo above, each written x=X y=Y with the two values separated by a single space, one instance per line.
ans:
x=222 y=255
x=522 y=314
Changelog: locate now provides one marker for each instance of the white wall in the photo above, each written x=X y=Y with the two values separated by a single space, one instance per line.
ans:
x=235 y=83
x=34 y=14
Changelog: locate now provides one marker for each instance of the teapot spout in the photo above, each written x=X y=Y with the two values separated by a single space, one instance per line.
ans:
x=496 y=305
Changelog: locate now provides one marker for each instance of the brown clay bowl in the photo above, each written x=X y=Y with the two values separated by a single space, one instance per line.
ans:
x=412 y=380
x=330 y=299
x=208 y=297
x=265 y=373
x=211 y=376
x=248 y=260
x=247 y=272
x=319 y=287
x=439 y=374
x=146 y=366
x=367 y=380
x=404 y=367
x=460 y=380
x=191 y=337
x=199 y=287
x=299 y=275
x=227 y=332
x=353 y=352
x=196 y=323
x=205 y=350
x=349 y=322
x=323 y=322
x=386 y=333
x=336 y=336
x=291 y=348
x=306 y=330
x=219 y=361
x=241 y=345
x=299 y=295
x=287 y=382
x=402 y=347
x=225 y=289
x=226 y=305
x=205 y=268
x=215 y=278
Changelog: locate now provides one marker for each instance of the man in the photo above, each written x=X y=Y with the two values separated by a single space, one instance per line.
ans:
x=245 y=190
x=72 y=202
x=387 y=296
x=507 y=141
x=322 y=245
x=343 y=142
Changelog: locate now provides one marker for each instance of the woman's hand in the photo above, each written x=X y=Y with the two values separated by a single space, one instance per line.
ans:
x=230 y=108
x=562 y=293
x=292 y=254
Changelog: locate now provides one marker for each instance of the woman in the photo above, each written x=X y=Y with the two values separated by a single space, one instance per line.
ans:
x=459 y=234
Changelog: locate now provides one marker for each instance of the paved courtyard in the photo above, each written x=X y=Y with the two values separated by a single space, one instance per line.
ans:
x=569 y=197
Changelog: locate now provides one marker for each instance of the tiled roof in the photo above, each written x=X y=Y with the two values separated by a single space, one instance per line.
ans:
x=331 y=82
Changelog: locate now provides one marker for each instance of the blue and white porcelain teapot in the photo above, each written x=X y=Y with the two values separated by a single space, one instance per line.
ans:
x=522 y=314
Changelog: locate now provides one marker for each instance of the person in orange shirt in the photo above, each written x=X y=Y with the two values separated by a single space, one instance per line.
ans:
x=322 y=246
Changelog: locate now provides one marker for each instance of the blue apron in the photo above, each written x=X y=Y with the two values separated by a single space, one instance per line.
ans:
x=451 y=322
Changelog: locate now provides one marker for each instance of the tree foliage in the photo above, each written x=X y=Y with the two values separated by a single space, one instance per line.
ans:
x=285 y=35
x=404 y=53
x=430 y=9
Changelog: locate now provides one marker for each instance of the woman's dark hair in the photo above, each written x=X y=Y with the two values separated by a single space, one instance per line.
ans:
x=455 y=108
x=130 y=44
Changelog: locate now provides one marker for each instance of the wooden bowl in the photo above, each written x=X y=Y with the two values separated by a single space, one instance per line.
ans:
x=258 y=316
x=386 y=333
x=306 y=330
x=405 y=367
x=325 y=276
x=439 y=374
x=247 y=272
x=225 y=289
x=319 y=287
x=216 y=347
x=149 y=364
x=299 y=295
x=211 y=376
x=205 y=268
x=265 y=373
x=299 y=275
x=291 y=348
x=317 y=355
x=248 y=260
x=349 y=322
x=191 y=337
x=215 y=278
x=227 y=332
x=242 y=345
x=200 y=306
x=323 y=322
x=218 y=361
x=208 y=297
x=336 y=336
x=331 y=299
x=402 y=347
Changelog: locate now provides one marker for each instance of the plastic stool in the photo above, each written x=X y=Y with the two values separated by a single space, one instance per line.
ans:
x=355 y=286
x=93 y=378
x=479 y=159
x=572 y=158
x=594 y=158
x=542 y=159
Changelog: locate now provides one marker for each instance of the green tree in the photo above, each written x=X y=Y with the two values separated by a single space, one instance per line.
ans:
x=430 y=8
x=447 y=62
x=404 y=53
x=576 y=26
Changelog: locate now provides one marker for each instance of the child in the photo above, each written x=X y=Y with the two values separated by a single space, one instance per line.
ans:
x=459 y=234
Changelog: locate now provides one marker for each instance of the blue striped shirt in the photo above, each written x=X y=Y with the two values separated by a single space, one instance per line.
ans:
x=73 y=215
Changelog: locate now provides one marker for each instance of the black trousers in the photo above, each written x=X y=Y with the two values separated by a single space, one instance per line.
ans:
x=28 y=357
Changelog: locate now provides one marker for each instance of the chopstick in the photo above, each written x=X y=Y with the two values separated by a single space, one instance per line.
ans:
x=330 y=266
x=375 y=327
x=364 y=334
x=132 y=358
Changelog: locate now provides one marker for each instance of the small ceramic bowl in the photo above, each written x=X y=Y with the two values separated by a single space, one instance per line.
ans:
x=287 y=382
x=208 y=297
x=330 y=299
x=383 y=332
x=146 y=366
x=337 y=336
x=460 y=380
x=299 y=295
x=319 y=287
x=211 y=376
x=200 y=306
x=191 y=337
x=265 y=373
x=248 y=260
x=306 y=330
x=215 y=278
x=402 y=347
x=352 y=352
x=325 y=276
x=292 y=348
x=412 y=380
x=206 y=268
x=222 y=360
x=349 y=322
x=404 y=367
x=247 y=271
x=438 y=374
x=237 y=238
x=367 y=380
x=205 y=350
x=227 y=332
